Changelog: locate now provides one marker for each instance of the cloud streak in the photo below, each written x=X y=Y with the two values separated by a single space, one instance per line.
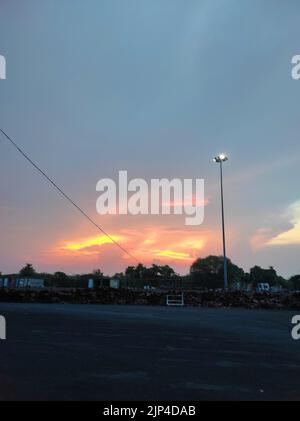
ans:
x=149 y=244
x=292 y=235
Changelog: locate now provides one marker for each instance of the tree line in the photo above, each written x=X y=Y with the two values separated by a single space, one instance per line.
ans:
x=205 y=272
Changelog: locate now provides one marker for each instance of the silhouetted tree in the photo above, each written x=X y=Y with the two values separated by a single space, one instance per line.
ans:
x=27 y=271
x=294 y=282
x=97 y=273
x=61 y=279
x=208 y=272
x=260 y=275
x=155 y=275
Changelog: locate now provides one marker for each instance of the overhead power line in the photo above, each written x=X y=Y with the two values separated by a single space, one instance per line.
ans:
x=66 y=196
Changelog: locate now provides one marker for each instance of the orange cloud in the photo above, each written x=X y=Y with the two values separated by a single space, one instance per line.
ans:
x=89 y=242
x=260 y=238
x=172 y=254
x=148 y=244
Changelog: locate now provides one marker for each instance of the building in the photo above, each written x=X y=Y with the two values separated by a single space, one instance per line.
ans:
x=114 y=283
x=12 y=282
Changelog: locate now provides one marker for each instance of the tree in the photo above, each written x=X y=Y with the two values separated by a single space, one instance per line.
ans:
x=28 y=271
x=136 y=275
x=259 y=275
x=282 y=282
x=165 y=271
x=61 y=279
x=98 y=273
x=119 y=275
x=294 y=282
x=208 y=272
x=154 y=275
x=130 y=272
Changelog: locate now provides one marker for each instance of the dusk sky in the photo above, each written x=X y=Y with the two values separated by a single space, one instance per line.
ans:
x=157 y=88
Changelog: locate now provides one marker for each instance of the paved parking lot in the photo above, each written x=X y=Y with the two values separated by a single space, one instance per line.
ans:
x=86 y=352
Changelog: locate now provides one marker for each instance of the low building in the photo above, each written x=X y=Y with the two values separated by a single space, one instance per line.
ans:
x=11 y=282
x=114 y=283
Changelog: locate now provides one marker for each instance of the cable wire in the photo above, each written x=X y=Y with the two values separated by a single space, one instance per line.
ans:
x=66 y=196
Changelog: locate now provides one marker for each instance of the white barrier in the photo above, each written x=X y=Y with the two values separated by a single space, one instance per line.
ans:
x=2 y=327
x=175 y=300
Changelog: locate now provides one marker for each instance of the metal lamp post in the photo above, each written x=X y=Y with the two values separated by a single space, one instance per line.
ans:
x=220 y=159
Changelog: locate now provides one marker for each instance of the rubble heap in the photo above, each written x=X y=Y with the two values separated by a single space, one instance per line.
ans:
x=140 y=297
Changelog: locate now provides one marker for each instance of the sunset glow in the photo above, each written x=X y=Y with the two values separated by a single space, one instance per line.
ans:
x=149 y=104
x=148 y=244
x=90 y=242
x=172 y=254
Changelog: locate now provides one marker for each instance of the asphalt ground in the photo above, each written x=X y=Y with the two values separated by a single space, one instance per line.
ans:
x=104 y=352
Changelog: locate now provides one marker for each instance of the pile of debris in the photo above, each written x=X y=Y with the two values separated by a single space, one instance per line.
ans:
x=243 y=299
x=141 y=297
x=82 y=296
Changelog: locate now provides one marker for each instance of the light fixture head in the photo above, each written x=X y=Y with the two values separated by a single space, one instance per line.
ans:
x=222 y=157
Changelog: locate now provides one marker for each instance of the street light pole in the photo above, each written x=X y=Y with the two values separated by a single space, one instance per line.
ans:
x=220 y=159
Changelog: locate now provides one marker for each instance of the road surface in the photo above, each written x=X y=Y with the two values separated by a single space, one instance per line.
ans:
x=103 y=352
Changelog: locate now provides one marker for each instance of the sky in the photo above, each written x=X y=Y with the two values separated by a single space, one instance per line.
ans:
x=157 y=88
